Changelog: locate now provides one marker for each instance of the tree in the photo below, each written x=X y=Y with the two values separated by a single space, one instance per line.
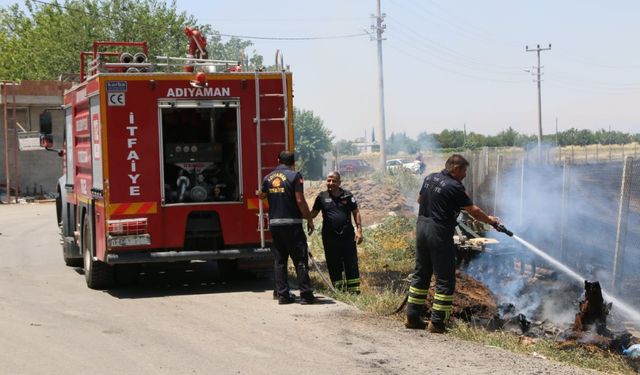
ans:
x=311 y=141
x=400 y=142
x=46 y=40
x=450 y=138
x=343 y=147
x=507 y=138
x=474 y=140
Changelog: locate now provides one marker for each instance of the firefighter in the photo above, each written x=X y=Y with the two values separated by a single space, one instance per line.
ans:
x=441 y=197
x=338 y=235
x=287 y=208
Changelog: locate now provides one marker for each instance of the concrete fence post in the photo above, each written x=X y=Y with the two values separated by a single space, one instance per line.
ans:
x=521 y=208
x=496 y=191
x=573 y=154
x=486 y=161
x=469 y=180
x=621 y=230
x=564 y=209
x=586 y=157
x=475 y=183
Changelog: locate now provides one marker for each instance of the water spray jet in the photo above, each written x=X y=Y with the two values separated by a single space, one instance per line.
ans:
x=628 y=311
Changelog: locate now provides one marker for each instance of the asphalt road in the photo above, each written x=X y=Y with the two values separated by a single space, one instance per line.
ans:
x=186 y=320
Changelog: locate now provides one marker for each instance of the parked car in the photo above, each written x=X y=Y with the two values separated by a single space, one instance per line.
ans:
x=400 y=165
x=413 y=166
x=394 y=165
x=354 y=166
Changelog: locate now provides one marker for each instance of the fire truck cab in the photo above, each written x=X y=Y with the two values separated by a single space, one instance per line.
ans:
x=162 y=160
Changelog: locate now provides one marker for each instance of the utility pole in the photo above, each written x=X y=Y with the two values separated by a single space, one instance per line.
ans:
x=379 y=27
x=537 y=50
x=6 y=140
x=464 y=134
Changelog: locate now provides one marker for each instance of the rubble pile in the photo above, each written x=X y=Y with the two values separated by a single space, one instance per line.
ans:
x=472 y=299
x=375 y=201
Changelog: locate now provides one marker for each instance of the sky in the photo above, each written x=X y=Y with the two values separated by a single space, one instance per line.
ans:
x=448 y=64
x=451 y=64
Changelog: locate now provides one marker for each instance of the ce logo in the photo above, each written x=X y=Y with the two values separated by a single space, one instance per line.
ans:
x=116 y=99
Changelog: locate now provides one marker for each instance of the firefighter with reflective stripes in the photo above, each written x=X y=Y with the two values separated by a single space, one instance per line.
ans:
x=338 y=235
x=287 y=208
x=441 y=197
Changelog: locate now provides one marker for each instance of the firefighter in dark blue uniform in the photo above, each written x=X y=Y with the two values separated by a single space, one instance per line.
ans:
x=287 y=208
x=338 y=235
x=441 y=197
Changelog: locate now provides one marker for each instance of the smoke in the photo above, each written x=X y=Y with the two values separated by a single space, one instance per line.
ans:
x=570 y=213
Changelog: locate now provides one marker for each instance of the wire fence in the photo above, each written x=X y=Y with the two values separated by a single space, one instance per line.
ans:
x=581 y=205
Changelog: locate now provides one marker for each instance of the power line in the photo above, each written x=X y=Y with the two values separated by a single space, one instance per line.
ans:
x=462 y=28
x=55 y=4
x=448 y=53
x=296 y=38
x=449 y=70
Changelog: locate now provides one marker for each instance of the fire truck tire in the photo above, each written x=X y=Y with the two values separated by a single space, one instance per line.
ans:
x=97 y=274
x=72 y=262
x=59 y=210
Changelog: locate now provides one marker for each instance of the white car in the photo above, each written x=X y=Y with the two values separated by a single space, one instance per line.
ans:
x=398 y=165
x=412 y=166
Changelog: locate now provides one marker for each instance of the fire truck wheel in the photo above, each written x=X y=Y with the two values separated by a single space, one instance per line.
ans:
x=72 y=262
x=59 y=211
x=97 y=274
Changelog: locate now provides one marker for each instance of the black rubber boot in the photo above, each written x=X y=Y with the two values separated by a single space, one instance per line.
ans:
x=307 y=298
x=413 y=319
x=285 y=300
x=437 y=327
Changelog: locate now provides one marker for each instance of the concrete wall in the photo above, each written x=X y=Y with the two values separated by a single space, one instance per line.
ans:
x=34 y=169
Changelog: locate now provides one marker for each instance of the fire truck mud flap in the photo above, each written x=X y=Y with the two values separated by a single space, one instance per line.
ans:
x=257 y=254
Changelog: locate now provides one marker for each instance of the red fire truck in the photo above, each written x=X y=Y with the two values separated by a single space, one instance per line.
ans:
x=163 y=158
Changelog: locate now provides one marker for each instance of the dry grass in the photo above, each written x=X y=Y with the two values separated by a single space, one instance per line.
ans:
x=387 y=257
x=577 y=355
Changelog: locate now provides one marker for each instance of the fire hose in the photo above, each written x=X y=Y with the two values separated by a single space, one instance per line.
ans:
x=324 y=279
x=501 y=228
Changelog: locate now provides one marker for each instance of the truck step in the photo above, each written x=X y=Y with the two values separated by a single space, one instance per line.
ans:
x=273 y=143
x=269 y=119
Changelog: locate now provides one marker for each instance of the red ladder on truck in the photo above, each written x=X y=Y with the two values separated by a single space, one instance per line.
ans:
x=263 y=170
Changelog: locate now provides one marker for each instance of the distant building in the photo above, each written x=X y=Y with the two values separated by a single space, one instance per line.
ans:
x=366 y=146
x=30 y=168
